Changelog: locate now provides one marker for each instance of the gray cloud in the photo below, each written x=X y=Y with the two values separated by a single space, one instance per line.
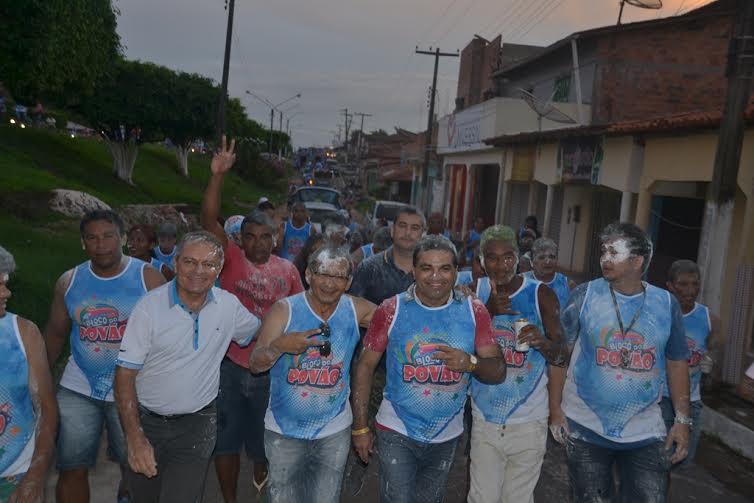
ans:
x=345 y=53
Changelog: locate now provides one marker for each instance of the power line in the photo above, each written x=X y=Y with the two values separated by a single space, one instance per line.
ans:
x=519 y=8
x=547 y=14
x=436 y=23
x=497 y=19
x=455 y=22
x=532 y=17
x=517 y=20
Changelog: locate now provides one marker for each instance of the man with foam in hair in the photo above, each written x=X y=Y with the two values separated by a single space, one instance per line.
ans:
x=168 y=373
x=259 y=279
x=91 y=307
x=702 y=337
x=544 y=254
x=509 y=433
x=28 y=414
x=307 y=342
x=434 y=340
x=627 y=338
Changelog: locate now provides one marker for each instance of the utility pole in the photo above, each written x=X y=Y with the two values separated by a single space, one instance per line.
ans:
x=272 y=128
x=230 y=5
x=347 y=121
x=424 y=205
x=719 y=209
x=361 y=133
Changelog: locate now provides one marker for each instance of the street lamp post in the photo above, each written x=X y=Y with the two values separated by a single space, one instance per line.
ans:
x=272 y=113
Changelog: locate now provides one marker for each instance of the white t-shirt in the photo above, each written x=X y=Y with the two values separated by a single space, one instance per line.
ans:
x=178 y=353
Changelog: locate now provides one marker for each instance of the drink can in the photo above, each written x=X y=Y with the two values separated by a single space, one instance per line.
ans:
x=518 y=326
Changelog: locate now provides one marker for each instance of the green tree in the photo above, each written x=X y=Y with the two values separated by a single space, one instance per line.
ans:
x=129 y=108
x=193 y=103
x=56 y=50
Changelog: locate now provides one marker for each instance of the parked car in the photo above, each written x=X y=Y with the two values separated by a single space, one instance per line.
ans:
x=320 y=202
x=387 y=210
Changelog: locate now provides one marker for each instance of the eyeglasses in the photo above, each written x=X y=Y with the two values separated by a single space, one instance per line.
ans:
x=324 y=330
x=193 y=265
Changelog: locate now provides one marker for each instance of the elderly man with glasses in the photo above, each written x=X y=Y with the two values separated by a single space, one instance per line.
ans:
x=308 y=341
x=168 y=373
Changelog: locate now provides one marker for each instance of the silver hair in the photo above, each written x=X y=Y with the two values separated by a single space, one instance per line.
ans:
x=201 y=237
x=543 y=245
x=330 y=253
x=7 y=262
x=435 y=242
x=259 y=217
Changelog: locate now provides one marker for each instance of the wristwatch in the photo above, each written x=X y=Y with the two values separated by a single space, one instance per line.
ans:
x=473 y=360
x=681 y=419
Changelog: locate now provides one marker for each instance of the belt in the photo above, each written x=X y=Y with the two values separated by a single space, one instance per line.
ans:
x=173 y=417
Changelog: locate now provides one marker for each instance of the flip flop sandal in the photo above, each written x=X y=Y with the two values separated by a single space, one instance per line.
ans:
x=262 y=484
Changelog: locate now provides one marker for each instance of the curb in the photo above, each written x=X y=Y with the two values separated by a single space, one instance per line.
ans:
x=734 y=435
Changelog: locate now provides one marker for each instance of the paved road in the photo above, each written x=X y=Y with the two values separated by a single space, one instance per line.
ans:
x=719 y=476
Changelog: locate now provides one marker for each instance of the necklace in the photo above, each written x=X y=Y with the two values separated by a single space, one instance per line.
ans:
x=624 y=331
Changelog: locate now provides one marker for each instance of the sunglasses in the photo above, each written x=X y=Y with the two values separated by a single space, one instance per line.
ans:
x=325 y=348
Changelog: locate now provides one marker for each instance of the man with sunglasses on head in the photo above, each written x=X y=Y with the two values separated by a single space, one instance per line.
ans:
x=627 y=338
x=307 y=342
x=259 y=279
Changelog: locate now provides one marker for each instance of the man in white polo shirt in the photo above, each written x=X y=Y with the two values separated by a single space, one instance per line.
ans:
x=168 y=373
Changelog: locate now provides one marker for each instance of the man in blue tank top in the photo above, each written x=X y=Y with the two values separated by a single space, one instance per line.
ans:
x=509 y=434
x=28 y=412
x=544 y=253
x=91 y=306
x=702 y=337
x=295 y=231
x=307 y=341
x=627 y=338
x=434 y=340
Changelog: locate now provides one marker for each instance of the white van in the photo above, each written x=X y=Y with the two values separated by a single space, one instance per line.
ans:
x=387 y=210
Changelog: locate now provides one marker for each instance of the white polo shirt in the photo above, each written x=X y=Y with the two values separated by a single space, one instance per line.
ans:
x=177 y=352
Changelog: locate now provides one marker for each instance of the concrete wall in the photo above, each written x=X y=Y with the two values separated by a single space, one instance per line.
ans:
x=616 y=171
x=546 y=168
x=540 y=78
x=574 y=237
x=467 y=129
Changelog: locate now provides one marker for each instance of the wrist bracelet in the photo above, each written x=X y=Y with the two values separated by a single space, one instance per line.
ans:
x=683 y=419
x=360 y=431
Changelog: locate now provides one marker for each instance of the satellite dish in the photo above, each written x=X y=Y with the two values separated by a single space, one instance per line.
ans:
x=545 y=109
x=642 y=4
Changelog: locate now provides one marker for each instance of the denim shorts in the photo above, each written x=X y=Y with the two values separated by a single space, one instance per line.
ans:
x=241 y=406
x=695 y=410
x=81 y=420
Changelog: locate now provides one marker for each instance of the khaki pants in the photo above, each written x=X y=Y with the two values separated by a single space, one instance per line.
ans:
x=506 y=461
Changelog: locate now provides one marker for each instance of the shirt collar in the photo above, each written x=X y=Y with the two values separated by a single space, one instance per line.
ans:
x=456 y=295
x=174 y=299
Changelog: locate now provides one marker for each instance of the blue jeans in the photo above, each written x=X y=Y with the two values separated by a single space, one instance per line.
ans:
x=413 y=471
x=81 y=419
x=695 y=410
x=241 y=405
x=306 y=470
x=643 y=472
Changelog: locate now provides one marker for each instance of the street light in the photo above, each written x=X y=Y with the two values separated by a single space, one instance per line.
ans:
x=272 y=112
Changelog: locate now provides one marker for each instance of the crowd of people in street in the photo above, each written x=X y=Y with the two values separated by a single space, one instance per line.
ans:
x=272 y=338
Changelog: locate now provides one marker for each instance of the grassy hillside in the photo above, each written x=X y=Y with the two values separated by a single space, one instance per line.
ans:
x=33 y=162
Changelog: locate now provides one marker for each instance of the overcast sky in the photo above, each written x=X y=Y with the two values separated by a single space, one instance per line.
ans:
x=353 y=54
